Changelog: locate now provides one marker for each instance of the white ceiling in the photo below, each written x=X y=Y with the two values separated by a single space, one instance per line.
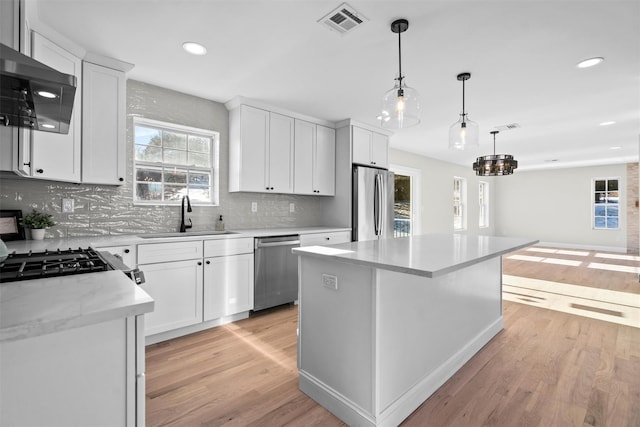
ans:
x=522 y=57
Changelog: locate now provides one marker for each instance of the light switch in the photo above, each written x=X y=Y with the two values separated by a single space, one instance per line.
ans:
x=254 y=207
x=292 y=207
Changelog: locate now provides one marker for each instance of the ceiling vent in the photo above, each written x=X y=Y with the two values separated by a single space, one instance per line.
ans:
x=343 y=19
x=510 y=126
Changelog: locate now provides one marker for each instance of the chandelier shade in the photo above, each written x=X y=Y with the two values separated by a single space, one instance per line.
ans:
x=463 y=133
x=495 y=164
x=401 y=104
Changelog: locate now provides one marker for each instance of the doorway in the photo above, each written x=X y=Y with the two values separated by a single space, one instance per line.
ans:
x=406 y=204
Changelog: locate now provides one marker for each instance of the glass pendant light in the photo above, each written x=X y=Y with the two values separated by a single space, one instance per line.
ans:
x=400 y=105
x=496 y=164
x=464 y=132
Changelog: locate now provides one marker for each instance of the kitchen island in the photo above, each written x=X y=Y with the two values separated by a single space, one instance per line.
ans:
x=384 y=323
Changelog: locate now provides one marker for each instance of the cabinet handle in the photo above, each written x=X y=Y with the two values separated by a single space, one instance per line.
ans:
x=208 y=262
x=327 y=238
x=199 y=262
x=40 y=170
x=126 y=251
x=27 y=164
x=121 y=179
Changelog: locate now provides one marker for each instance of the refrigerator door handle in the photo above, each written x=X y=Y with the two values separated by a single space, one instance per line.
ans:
x=377 y=205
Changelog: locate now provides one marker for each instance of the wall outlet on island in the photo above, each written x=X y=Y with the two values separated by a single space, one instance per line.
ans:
x=330 y=281
x=254 y=207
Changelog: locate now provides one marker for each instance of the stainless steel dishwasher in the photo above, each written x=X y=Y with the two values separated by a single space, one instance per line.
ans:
x=275 y=270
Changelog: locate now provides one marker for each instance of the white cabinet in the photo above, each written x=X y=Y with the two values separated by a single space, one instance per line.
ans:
x=315 y=153
x=228 y=277
x=328 y=238
x=91 y=375
x=174 y=281
x=127 y=253
x=260 y=151
x=58 y=156
x=103 y=125
x=370 y=148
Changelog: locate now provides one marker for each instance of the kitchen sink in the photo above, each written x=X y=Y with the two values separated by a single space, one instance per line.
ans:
x=186 y=234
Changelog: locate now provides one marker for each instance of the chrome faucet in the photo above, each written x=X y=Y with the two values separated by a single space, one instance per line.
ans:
x=183 y=226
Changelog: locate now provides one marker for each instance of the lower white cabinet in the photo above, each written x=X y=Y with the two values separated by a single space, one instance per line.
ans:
x=328 y=238
x=176 y=288
x=91 y=375
x=228 y=285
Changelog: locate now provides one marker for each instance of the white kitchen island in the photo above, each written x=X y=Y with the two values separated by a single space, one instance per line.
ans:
x=384 y=323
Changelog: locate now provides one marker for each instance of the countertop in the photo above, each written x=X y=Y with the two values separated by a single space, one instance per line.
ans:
x=429 y=255
x=36 y=307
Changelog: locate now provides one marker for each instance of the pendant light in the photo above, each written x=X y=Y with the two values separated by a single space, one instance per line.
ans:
x=400 y=105
x=496 y=164
x=464 y=132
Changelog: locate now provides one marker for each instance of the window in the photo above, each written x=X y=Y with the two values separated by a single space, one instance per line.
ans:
x=606 y=198
x=406 y=201
x=483 y=201
x=172 y=161
x=459 y=201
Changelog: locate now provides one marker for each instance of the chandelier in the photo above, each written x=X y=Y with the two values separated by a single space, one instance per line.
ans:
x=496 y=164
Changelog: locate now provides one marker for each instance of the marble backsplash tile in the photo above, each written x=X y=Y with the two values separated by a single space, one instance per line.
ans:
x=103 y=210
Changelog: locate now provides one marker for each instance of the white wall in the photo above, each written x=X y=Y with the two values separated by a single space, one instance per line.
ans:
x=437 y=193
x=555 y=206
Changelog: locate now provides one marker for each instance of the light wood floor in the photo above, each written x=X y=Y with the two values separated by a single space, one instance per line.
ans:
x=546 y=368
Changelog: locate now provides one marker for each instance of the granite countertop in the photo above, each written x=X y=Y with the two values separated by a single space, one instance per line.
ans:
x=36 y=307
x=429 y=255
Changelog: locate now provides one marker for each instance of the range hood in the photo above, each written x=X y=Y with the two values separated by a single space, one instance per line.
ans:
x=33 y=95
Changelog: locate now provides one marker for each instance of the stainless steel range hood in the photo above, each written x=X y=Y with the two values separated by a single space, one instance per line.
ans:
x=34 y=95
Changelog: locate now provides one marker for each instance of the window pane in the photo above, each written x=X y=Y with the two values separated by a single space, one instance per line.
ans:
x=612 y=222
x=200 y=159
x=599 y=211
x=149 y=175
x=174 y=140
x=147 y=136
x=612 y=211
x=600 y=198
x=149 y=191
x=174 y=192
x=175 y=157
x=199 y=178
x=612 y=197
x=200 y=144
x=600 y=185
x=600 y=222
x=148 y=153
x=612 y=185
x=199 y=193
x=175 y=177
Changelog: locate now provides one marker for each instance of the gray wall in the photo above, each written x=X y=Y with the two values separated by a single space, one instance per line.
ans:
x=101 y=210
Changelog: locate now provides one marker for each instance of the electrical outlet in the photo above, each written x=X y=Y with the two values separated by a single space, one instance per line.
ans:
x=292 y=207
x=330 y=281
x=254 y=207
x=67 y=205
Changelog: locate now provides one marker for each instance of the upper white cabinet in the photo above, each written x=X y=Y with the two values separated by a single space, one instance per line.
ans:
x=370 y=148
x=57 y=156
x=103 y=125
x=315 y=151
x=260 y=151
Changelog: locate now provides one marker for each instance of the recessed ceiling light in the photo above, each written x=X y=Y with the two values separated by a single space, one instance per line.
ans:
x=194 y=48
x=590 y=62
x=615 y=147
x=609 y=123
x=45 y=94
x=48 y=126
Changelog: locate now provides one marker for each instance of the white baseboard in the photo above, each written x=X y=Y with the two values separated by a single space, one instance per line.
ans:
x=164 y=336
x=584 y=247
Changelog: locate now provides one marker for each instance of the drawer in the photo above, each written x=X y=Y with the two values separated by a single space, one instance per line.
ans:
x=223 y=247
x=332 y=238
x=166 y=252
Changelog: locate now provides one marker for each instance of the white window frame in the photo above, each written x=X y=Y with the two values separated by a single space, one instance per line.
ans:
x=619 y=205
x=214 y=170
x=483 y=204
x=459 y=204
x=416 y=195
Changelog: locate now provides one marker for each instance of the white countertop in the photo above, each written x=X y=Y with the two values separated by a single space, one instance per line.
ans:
x=265 y=232
x=30 y=308
x=428 y=255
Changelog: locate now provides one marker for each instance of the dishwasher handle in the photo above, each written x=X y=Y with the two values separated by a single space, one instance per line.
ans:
x=272 y=244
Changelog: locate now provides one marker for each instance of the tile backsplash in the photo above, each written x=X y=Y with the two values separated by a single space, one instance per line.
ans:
x=101 y=210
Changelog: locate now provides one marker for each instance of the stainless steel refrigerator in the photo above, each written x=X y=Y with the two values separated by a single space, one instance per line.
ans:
x=372 y=207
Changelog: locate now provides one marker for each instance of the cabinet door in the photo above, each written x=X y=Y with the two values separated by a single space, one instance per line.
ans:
x=176 y=288
x=380 y=150
x=280 y=170
x=228 y=285
x=325 y=161
x=103 y=125
x=254 y=129
x=305 y=139
x=361 y=139
x=57 y=156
